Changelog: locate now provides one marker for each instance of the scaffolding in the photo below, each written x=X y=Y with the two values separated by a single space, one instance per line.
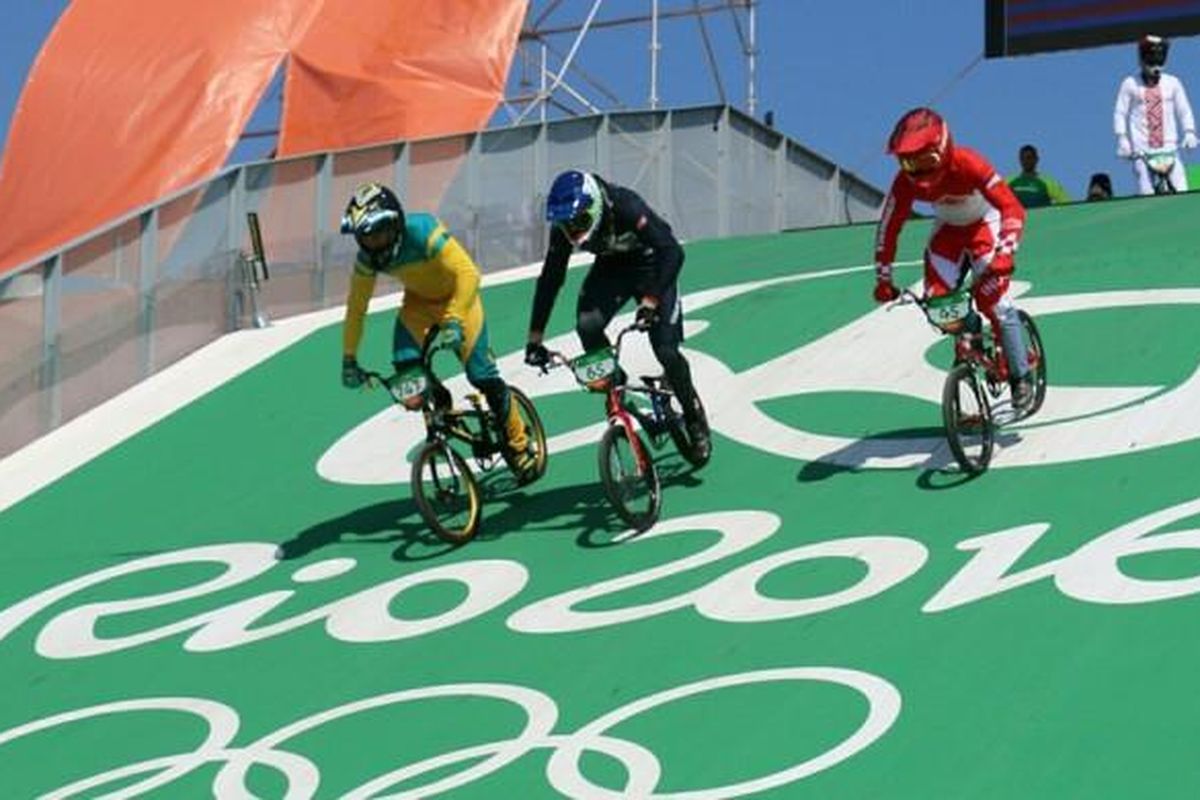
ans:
x=550 y=55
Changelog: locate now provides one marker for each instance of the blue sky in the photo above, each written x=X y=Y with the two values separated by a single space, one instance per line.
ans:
x=836 y=75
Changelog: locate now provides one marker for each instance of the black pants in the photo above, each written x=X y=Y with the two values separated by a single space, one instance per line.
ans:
x=608 y=286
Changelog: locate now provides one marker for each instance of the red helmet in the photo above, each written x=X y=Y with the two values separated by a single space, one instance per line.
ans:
x=922 y=144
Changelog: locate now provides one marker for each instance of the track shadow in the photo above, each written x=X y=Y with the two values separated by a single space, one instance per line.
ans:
x=581 y=507
x=382 y=523
x=508 y=509
x=937 y=480
x=927 y=441
x=951 y=475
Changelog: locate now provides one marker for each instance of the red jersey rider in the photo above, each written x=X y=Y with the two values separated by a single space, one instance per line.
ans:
x=978 y=224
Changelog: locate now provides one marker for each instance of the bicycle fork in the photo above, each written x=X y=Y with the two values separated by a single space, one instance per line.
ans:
x=618 y=414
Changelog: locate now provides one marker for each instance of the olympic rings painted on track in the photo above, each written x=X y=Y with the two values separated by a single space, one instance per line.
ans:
x=303 y=776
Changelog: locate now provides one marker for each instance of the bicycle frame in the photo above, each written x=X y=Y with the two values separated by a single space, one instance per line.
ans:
x=617 y=411
x=442 y=424
x=992 y=361
x=442 y=421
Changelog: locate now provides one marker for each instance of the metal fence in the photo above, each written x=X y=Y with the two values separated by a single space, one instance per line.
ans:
x=114 y=307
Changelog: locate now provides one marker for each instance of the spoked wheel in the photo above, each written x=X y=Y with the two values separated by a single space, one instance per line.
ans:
x=968 y=419
x=534 y=431
x=446 y=492
x=630 y=480
x=696 y=454
x=1037 y=360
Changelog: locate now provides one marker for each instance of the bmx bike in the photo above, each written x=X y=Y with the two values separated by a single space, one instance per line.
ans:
x=444 y=486
x=980 y=373
x=627 y=471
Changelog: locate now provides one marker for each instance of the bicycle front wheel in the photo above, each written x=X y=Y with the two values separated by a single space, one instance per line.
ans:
x=534 y=430
x=630 y=478
x=447 y=493
x=968 y=419
x=1037 y=361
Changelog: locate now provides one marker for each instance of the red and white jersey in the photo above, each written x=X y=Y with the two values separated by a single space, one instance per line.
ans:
x=968 y=189
x=1147 y=114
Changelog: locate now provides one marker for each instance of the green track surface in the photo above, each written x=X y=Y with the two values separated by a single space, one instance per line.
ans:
x=1034 y=690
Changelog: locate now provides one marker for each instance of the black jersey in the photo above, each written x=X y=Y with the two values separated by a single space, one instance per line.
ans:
x=630 y=236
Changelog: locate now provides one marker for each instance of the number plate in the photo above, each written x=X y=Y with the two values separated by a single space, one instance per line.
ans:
x=949 y=309
x=596 y=366
x=409 y=387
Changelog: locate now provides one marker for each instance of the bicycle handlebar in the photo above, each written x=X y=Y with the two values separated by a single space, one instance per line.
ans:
x=907 y=298
x=560 y=359
x=374 y=379
x=1161 y=151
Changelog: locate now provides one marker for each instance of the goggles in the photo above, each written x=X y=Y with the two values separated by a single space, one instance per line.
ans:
x=921 y=163
x=364 y=222
x=580 y=223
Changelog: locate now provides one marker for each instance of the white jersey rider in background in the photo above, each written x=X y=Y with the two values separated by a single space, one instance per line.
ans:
x=1145 y=116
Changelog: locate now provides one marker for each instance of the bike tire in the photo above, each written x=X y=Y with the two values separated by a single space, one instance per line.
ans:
x=447 y=493
x=617 y=453
x=973 y=456
x=1037 y=356
x=692 y=453
x=533 y=429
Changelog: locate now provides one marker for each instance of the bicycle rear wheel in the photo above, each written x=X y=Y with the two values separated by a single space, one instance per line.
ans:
x=446 y=492
x=968 y=419
x=534 y=430
x=1037 y=360
x=695 y=454
x=630 y=480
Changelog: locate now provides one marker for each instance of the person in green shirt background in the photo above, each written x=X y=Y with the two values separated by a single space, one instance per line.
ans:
x=1033 y=188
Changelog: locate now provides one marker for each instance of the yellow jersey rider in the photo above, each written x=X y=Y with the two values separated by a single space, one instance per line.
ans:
x=441 y=285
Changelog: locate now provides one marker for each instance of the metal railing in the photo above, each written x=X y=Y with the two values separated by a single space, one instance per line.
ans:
x=115 y=306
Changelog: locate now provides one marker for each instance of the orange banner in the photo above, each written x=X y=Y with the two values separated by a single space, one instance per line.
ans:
x=371 y=71
x=130 y=100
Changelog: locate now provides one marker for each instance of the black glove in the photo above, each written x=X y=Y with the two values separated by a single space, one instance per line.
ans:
x=536 y=355
x=646 y=316
x=352 y=375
